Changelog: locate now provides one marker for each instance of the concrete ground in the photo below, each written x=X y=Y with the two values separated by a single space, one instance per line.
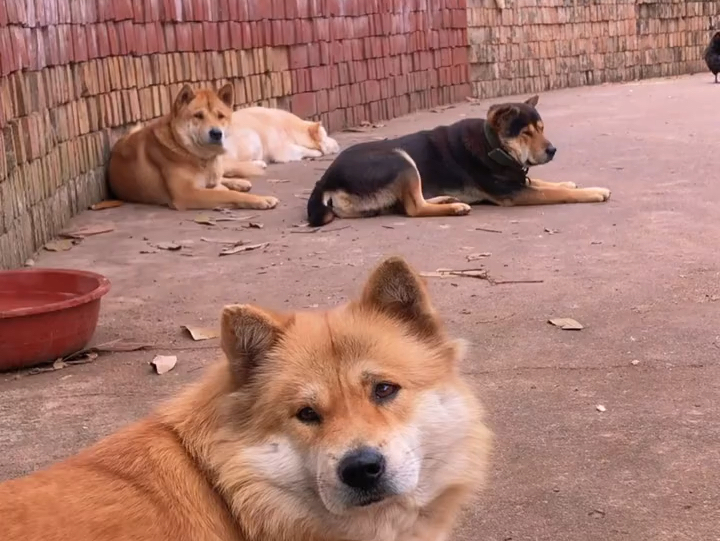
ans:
x=641 y=272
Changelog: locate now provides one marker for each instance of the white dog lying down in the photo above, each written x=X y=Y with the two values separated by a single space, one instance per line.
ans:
x=263 y=135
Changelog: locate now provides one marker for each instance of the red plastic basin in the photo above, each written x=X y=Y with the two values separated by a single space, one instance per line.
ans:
x=47 y=313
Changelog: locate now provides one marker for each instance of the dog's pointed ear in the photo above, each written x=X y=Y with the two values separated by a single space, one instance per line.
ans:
x=227 y=95
x=184 y=97
x=314 y=131
x=395 y=289
x=247 y=334
x=533 y=101
x=498 y=112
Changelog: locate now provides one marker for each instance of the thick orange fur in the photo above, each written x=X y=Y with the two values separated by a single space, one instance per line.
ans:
x=174 y=162
x=229 y=459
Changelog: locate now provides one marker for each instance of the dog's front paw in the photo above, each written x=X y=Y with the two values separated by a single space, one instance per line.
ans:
x=267 y=203
x=460 y=209
x=598 y=195
x=260 y=163
x=329 y=146
x=238 y=185
x=443 y=199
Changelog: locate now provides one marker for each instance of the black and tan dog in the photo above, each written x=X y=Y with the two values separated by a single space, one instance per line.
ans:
x=440 y=172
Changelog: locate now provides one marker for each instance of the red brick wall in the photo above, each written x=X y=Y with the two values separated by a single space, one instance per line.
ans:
x=74 y=73
x=522 y=46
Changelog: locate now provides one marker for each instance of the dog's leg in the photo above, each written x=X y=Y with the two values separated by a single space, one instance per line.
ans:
x=237 y=184
x=439 y=200
x=184 y=195
x=537 y=183
x=241 y=169
x=295 y=153
x=416 y=205
x=555 y=196
x=208 y=199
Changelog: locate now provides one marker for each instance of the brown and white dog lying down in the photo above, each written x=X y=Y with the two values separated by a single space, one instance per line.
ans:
x=266 y=135
x=176 y=160
x=351 y=424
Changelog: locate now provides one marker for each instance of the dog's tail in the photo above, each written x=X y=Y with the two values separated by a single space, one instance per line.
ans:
x=319 y=207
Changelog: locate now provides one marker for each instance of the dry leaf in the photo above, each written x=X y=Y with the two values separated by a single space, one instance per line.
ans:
x=204 y=219
x=171 y=246
x=118 y=346
x=566 y=324
x=201 y=333
x=108 y=204
x=475 y=257
x=62 y=245
x=87 y=231
x=59 y=364
x=164 y=363
x=634 y=362
x=551 y=231
x=235 y=218
x=243 y=248
x=254 y=225
x=600 y=408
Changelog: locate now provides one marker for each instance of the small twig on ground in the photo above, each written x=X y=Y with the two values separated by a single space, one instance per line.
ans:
x=487 y=230
x=336 y=229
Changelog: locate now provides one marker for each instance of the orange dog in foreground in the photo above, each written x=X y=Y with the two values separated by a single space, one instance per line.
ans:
x=350 y=424
x=178 y=160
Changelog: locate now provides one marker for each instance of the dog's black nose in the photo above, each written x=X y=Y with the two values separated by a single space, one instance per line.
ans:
x=551 y=150
x=362 y=468
x=216 y=135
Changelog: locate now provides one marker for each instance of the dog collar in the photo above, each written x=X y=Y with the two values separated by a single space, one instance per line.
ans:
x=497 y=153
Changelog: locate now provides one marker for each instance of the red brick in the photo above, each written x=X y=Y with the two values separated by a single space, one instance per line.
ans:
x=321 y=99
x=198 y=40
x=79 y=43
x=236 y=35
x=265 y=33
x=184 y=37
x=153 y=39
x=4 y=11
x=326 y=52
x=313 y=51
x=246 y=34
x=289 y=36
x=64 y=44
x=278 y=8
x=138 y=11
x=277 y=36
x=319 y=77
x=212 y=38
x=123 y=9
x=298 y=55
x=173 y=11
x=291 y=9
x=170 y=37
x=224 y=41
x=8 y=61
x=303 y=104
x=154 y=10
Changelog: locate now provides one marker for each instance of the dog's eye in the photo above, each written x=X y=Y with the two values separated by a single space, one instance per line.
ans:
x=199 y=115
x=308 y=416
x=220 y=116
x=385 y=391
